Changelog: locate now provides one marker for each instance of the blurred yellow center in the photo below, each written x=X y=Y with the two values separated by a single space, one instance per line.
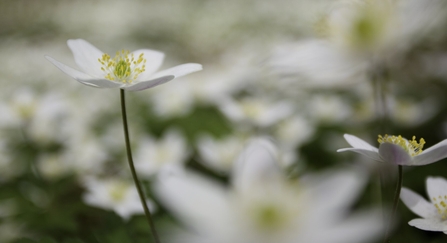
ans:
x=118 y=191
x=124 y=67
x=412 y=147
x=441 y=205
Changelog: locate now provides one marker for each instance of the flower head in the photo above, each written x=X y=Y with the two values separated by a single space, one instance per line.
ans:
x=398 y=150
x=433 y=213
x=114 y=194
x=132 y=71
x=261 y=205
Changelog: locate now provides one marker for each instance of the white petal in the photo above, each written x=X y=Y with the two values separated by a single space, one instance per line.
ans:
x=82 y=77
x=436 y=186
x=149 y=84
x=394 y=154
x=86 y=57
x=256 y=164
x=418 y=204
x=428 y=224
x=356 y=142
x=180 y=70
x=368 y=153
x=432 y=154
x=154 y=59
x=341 y=188
x=194 y=199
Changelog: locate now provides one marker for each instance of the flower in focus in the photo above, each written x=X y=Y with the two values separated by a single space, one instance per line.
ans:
x=398 y=150
x=115 y=194
x=262 y=206
x=433 y=213
x=132 y=71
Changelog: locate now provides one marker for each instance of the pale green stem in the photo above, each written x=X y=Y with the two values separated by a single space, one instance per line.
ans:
x=395 y=202
x=132 y=169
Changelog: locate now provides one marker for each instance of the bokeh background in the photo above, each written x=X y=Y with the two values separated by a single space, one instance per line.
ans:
x=264 y=75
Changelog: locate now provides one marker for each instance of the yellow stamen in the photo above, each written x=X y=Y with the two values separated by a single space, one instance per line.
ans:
x=122 y=67
x=412 y=147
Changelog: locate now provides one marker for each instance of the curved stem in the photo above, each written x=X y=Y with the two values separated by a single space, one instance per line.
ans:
x=395 y=202
x=132 y=168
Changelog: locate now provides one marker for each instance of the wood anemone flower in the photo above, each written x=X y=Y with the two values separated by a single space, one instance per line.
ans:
x=131 y=71
x=398 y=150
x=433 y=213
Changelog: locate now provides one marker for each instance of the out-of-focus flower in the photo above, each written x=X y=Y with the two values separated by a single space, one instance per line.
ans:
x=293 y=131
x=114 y=194
x=129 y=71
x=357 y=38
x=433 y=213
x=180 y=100
x=167 y=153
x=220 y=154
x=255 y=111
x=262 y=206
x=398 y=150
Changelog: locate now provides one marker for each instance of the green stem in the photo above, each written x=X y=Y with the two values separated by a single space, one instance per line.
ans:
x=132 y=168
x=395 y=202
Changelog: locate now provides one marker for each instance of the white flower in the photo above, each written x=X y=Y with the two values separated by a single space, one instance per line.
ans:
x=129 y=71
x=262 y=206
x=257 y=111
x=115 y=194
x=398 y=150
x=433 y=213
x=359 y=36
x=166 y=154
x=220 y=154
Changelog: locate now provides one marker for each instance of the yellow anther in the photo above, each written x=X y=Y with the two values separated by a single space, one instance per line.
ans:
x=122 y=67
x=412 y=147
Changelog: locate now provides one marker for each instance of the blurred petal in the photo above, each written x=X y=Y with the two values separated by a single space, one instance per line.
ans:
x=436 y=187
x=394 y=154
x=148 y=84
x=82 y=77
x=256 y=165
x=418 y=204
x=194 y=199
x=318 y=64
x=154 y=59
x=356 y=142
x=180 y=70
x=372 y=155
x=359 y=228
x=432 y=154
x=428 y=224
x=86 y=57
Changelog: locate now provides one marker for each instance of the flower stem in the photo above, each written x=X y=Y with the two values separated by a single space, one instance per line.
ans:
x=132 y=168
x=395 y=202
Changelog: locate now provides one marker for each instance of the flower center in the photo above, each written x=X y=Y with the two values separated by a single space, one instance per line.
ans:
x=123 y=67
x=441 y=205
x=412 y=147
x=118 y=191
x=270 y=217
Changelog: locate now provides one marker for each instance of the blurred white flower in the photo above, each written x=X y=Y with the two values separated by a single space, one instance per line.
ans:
x=358 y=37
x=328 y=109
x=255 y=111
x=114 y=194
x=263 y=207
x=433 y=213
x=126 y=70
x=165 y=154
x=180 y=101
x=398 y=150
x=294 y=131
x=220 y=154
